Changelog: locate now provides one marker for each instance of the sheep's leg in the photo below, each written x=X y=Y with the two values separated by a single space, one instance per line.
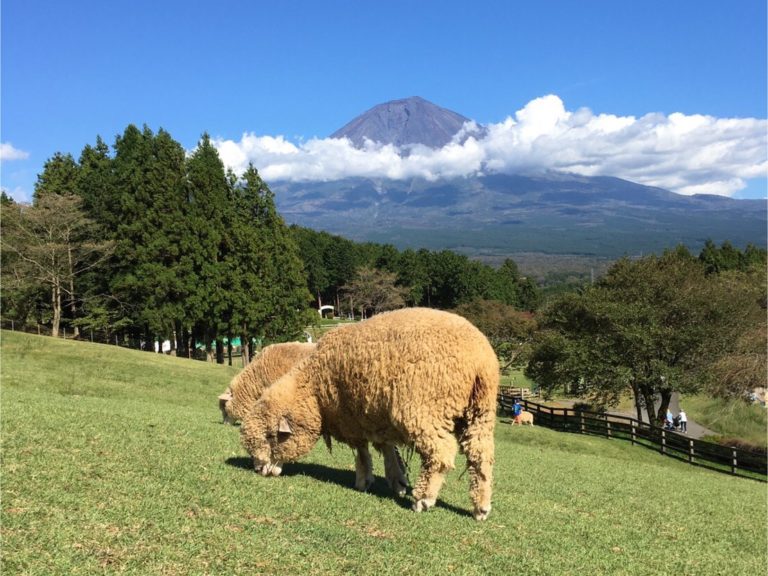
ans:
x=394 y=469
x=363 y=468
x=477 y=444
x=437 y=457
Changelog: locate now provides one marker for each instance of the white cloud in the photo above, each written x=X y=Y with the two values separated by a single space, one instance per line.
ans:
x=688 y=154
x=8 y=152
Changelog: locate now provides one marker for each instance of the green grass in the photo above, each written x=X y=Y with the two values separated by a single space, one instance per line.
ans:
x=730 y=419
x=115 y=461
x=517 y=379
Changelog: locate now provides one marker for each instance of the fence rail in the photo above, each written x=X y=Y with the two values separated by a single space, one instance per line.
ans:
x=738 y=462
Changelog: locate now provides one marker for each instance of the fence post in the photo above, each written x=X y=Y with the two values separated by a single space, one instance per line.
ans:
x=634 y=432
x=663 y=441
x=608 y=428
x=735 y=462
x=581 y=417
x=690 y=451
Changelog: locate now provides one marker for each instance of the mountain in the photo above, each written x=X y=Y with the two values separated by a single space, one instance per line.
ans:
x=404 y=122
x=499 y=215
x=504 y=214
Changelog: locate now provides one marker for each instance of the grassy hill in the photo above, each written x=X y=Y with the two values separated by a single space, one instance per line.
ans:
x=115 y=461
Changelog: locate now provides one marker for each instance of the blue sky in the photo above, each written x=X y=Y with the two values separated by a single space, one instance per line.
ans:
x=663 y=92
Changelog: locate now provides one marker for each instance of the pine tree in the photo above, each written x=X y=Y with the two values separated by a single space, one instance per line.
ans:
x=207 y=243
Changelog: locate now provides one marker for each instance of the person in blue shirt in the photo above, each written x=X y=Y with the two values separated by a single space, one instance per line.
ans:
x=516 y=409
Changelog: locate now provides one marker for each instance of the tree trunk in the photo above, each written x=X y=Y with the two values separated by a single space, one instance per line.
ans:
x=72 y=301
x=245 y=347
x=56 y=305
x=219 y=351
x=666 y=398
x=650 y=406
x=638 y=401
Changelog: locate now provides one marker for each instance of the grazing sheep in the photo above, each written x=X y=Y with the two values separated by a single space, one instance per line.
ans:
x=523 y=418
x=265 y=368
x=416 y=377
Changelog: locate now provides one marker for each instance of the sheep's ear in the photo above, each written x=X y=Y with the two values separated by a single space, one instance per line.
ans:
x=226 y=396
x=283 y=427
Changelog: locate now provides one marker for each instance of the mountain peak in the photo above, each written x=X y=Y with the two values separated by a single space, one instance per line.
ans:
x=404 y=122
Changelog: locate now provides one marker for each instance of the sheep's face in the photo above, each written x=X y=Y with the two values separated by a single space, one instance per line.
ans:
x=273 y=443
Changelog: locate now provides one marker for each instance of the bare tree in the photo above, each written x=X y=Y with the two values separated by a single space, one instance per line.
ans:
x=53 y=244
x=373 y=290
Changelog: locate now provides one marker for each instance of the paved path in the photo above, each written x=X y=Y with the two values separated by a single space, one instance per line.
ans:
x=695 y=430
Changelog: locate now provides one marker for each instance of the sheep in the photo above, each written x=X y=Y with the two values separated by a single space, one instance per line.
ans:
x=269 y=365
x=523 y=418
x=415 y=377
x=266 y=367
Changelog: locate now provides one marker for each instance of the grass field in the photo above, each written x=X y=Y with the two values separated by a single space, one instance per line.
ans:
x=115 y=461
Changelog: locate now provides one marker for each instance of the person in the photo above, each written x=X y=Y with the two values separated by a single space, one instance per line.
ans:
x=683 y=421
x=668 y=422
x=516 y=410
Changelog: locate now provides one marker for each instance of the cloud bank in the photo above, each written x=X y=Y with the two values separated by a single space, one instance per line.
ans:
x=688 y=154
x=8 y=152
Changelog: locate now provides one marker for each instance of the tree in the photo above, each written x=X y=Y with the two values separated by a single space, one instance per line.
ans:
x=207 y=243
x=373 y=291
x=52 y=244
x=653 y=325
x=508 y=330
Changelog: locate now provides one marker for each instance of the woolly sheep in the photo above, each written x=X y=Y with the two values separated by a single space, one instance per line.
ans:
x=416 y=377
x=267 y=367
x=523 y=418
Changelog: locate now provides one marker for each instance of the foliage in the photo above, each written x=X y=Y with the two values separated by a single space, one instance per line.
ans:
x=116 y=461
x=372 y=291
x=508 y=330
x=443 y=279
x=199 y=255
x=654 y=324
x=51 y=244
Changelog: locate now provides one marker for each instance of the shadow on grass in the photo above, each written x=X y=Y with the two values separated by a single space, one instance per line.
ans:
x=343 y=478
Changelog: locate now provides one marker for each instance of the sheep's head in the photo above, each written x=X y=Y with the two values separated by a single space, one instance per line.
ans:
x=274 y=438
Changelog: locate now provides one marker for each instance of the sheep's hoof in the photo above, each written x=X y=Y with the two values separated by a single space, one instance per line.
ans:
x=481 y=513
x=423 y=505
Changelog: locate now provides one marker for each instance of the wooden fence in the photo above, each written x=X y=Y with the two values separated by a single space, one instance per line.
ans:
x=738 y=462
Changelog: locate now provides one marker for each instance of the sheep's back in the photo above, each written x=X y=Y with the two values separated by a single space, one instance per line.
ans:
x=401 y=369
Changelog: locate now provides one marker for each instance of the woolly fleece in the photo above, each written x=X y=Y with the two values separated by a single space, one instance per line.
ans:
x=416 y=377
x=268 y=366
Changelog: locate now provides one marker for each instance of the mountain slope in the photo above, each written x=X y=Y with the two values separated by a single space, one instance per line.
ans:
x=404 y=122
x=503 y=214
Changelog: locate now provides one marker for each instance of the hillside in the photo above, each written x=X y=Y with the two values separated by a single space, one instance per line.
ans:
x=500 y=215
x=116 y=461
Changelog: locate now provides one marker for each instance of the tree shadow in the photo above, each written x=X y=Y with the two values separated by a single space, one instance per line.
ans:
x=343 y=478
